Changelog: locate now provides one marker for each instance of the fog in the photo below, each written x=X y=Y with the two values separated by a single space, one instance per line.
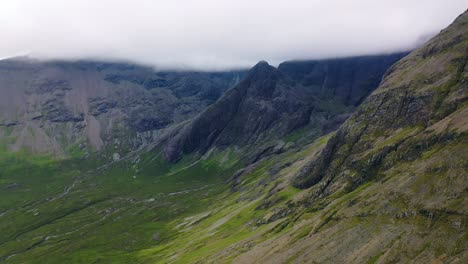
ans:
x=216 y=34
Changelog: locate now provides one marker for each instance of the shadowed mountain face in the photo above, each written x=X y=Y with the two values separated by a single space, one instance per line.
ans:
x=49 y=106
x=348 y=80
x=271 y=103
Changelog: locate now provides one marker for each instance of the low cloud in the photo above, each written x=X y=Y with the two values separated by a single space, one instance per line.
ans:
x=217 y=34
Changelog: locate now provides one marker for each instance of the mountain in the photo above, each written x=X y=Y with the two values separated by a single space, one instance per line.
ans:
x=132 y=204
x=78 y=107
x=278 y=170
x=64 y=106
x=271 y=103
x=420 y=103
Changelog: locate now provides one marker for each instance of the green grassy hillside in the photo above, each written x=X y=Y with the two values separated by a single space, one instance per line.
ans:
x=142 y=209
x=139 y=209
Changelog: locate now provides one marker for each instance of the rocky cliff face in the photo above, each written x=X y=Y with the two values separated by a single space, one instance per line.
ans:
x=52 y=106
x=270 y=103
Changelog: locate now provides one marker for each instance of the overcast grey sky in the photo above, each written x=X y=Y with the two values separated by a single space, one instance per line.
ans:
x=217 y=34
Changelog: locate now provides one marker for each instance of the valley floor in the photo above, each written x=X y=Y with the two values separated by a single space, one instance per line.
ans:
x=141 y=209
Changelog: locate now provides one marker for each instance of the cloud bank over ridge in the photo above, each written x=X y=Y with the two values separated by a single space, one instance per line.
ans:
x=217 y=34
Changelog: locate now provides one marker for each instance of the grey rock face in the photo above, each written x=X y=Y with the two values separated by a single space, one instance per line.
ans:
x=51 y=106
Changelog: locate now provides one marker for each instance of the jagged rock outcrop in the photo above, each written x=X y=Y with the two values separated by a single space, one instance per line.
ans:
x=265 y=101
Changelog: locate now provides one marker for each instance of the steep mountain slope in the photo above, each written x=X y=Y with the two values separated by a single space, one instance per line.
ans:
x=271 y=103
x=347 y=79
x=391 y=184
x=421 y=102
x=60 y=107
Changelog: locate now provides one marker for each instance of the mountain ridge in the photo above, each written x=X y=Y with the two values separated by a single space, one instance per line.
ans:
x=79 y=107
x=269 y=104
